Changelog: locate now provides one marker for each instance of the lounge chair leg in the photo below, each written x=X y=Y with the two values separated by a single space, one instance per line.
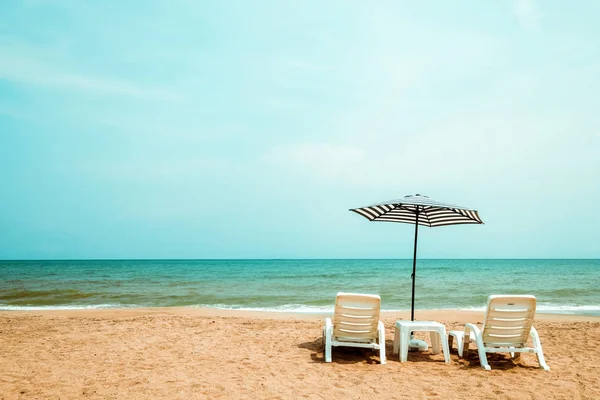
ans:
x=482 y=355
x=542 y=360
x=435 y=342
x=327 y=332
x=483 y=360
x=328 y=352
x=382 y=354
x=463 y=351
x=381 y=329
x=539 y=352
x=459 y=341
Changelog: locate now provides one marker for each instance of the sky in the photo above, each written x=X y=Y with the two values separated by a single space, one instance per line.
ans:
x=238 y=129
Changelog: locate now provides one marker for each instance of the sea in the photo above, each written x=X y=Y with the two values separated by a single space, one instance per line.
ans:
x=303 y=286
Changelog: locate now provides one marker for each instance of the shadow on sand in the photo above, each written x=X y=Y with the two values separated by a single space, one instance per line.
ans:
x=497 y=361
x=353 y=355
x=342 y=355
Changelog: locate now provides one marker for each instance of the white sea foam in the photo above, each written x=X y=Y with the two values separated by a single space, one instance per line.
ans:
x=6 y=307
x=569 y=309
x=302 y=308
x=547 y=309
x=481 y=308
x=295 y=308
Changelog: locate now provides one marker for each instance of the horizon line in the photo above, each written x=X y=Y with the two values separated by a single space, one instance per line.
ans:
x=297 y=259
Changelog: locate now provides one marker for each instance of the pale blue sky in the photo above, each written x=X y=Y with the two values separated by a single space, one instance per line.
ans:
x=247 y=129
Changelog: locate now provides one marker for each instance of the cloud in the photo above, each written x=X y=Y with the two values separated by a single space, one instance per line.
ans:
x=320 y=160
x=10 y=112
x=158 y=170
x=17 y=66
x=508 y=150
x=307 y=66
x=528 y=14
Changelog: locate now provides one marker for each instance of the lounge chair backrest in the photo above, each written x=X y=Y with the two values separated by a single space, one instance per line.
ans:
x=356 y=317
x=508 y=320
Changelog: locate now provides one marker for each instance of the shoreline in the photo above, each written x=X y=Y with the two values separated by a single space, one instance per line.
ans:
x=454 y=315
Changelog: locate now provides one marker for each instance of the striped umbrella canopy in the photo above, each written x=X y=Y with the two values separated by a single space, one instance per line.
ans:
x=418 y=210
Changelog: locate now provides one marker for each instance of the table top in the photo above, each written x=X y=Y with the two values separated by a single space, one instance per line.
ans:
x=421 y=324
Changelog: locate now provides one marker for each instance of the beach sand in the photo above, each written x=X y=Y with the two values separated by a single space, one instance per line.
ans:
x=184 y=353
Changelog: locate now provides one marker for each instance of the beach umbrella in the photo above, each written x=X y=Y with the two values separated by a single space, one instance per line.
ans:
x=418 y=210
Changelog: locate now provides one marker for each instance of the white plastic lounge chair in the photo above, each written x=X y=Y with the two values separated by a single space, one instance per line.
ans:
x=507 y=325
x=355 y=324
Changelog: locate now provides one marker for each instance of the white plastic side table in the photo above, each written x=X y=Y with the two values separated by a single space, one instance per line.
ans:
x=404 y=329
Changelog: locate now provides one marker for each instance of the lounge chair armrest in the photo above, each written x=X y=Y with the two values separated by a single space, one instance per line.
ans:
x=328 y=325
x=473 y=328
x=538 y=349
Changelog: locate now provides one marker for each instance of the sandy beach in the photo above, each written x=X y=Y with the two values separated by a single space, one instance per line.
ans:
x=206 y=353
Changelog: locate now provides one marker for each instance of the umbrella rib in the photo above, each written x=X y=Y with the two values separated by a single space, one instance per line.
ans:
x=424 y=212
x=402 y=206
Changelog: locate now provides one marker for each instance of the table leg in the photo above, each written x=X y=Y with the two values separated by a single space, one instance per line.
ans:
x=404 y=345
x=445 y=346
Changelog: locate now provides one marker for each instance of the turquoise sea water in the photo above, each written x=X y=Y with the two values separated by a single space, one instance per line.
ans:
x=564 y=286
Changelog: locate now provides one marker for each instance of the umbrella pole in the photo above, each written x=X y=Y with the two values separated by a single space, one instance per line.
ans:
x=412 y=305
